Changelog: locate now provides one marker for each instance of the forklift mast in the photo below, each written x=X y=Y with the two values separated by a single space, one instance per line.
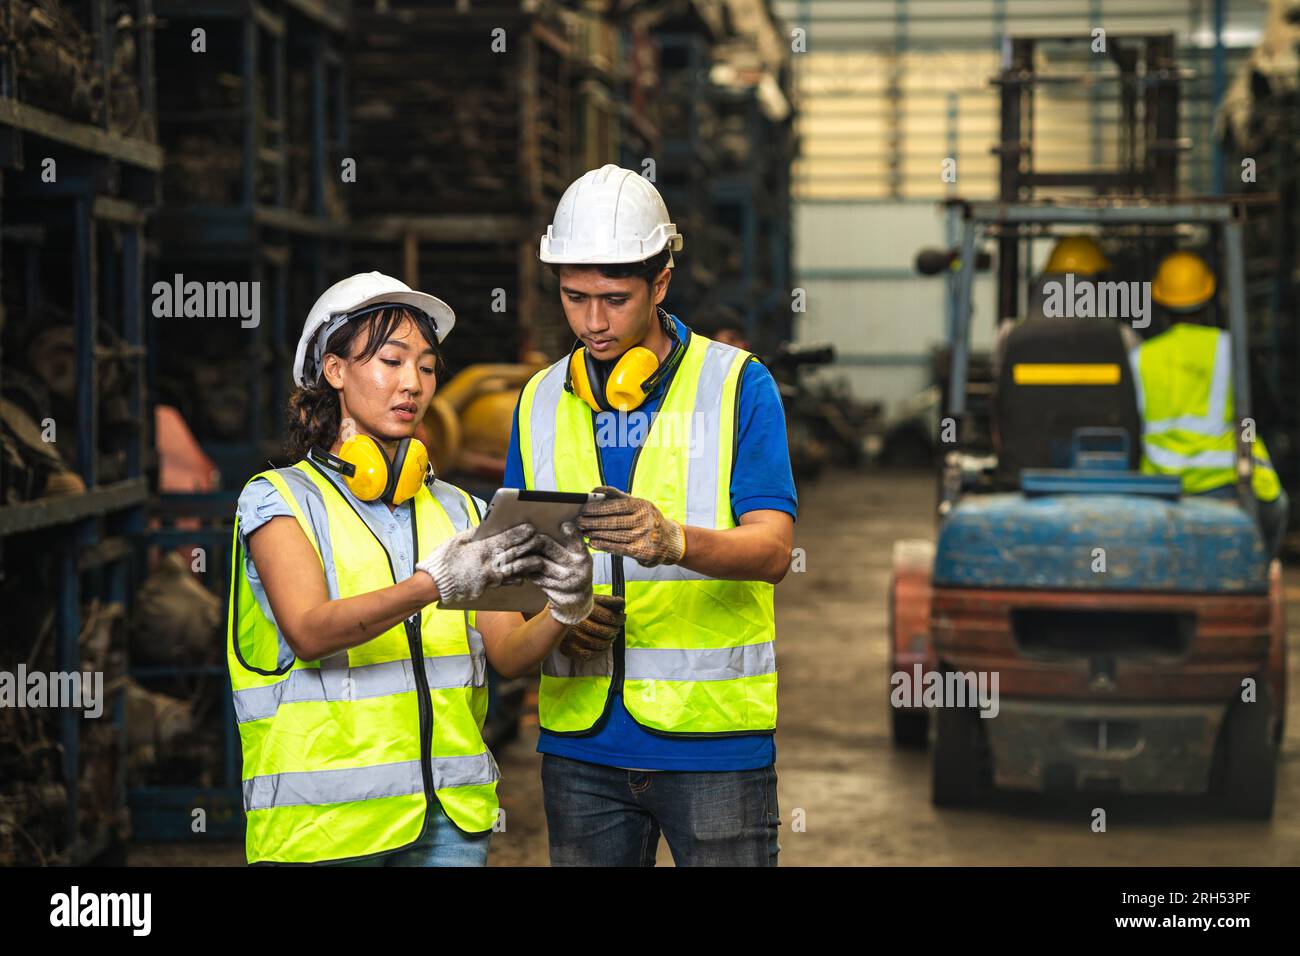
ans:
x=1148 y=143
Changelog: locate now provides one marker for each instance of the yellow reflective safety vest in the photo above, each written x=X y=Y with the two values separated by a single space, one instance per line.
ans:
x=1183 y=378
x=697 y=655
x=347 y=756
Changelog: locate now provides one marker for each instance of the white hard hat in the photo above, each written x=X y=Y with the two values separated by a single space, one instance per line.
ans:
x=608 y=216
x=349 y=296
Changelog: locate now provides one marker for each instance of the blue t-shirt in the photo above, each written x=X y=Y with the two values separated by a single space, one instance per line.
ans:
x=760 y=480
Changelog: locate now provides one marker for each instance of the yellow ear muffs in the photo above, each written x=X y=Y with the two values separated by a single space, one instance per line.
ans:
x=579 y=383
x=626 y=386
x=371 y=477
x=406 y=475
x=624 y=390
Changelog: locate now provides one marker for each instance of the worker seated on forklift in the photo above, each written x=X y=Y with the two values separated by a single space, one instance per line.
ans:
x=1079 y=256
x=1055 y=375
x=1184 y=393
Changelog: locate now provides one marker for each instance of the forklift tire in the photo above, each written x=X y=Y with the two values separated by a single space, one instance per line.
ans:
x=960 y=770
x=911 y=731
x=1250 y=758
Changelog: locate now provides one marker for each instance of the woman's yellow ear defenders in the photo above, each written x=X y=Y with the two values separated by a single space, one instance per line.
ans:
x=369 y=474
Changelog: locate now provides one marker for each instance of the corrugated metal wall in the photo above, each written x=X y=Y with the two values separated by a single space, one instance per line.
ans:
x=891 y=88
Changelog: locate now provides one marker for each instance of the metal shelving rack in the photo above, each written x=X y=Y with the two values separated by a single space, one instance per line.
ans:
x=687 y=162
x=260 y=232
x=752 y=198
x=734 y=210
x=105 y=190
x=283 y=224
x=457 y=207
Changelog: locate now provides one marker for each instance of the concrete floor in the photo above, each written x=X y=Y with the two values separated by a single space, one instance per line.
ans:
x=860 y=801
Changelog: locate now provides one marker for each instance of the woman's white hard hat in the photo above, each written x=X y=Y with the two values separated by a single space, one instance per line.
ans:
x=349 y=296
x=609 y=216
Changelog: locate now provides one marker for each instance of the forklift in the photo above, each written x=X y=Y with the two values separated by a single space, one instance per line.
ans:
x=1137 y=634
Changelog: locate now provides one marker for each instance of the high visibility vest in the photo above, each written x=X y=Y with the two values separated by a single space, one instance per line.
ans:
x=697 y=654
x=345 y=757
x=1184 y=389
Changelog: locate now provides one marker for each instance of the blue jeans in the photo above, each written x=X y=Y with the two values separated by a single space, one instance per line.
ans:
x=604 y=816
x=443 y=844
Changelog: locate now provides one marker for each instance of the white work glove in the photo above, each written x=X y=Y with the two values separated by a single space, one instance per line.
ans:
x=565 y=575
x=463 y=568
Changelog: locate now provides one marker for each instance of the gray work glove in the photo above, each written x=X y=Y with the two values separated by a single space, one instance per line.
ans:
x=464 y=568
x=565 y=575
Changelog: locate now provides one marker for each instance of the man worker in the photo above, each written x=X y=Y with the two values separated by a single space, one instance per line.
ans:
x=1078 y=255
x=657 y=714
x=1184 y=389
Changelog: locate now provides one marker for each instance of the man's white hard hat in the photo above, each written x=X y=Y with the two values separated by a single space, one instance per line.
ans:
x=349 y=296
x=609 y=216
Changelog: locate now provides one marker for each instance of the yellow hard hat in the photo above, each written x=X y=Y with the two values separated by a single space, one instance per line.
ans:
x=1077 y=254
x=1183 y=281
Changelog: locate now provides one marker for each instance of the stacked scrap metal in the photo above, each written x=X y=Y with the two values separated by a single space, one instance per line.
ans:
x=77 y=89
x=728 y=142
x=460 y=163
x=202 y=118
x=51 y=48
x=481 y=126
x=34 y=793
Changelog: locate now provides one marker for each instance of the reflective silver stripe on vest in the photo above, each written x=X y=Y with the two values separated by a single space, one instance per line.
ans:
x=699 y=663
x=312 y=685
x=558 y=664
x=1135 y=364
x=634 y=570
x=312 y=503
x=478 y=653
x=542 y=425
x=1212 y=424
x=602 y=567
x=1164 y=458
x=457 y=506
x=317 y=787
x=705 y=446
x=453 y=502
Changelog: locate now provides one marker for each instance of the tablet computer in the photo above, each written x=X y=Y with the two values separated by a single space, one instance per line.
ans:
x=544 y=510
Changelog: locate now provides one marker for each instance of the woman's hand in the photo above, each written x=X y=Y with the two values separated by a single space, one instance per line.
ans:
x=565 y=575
x=463 y=568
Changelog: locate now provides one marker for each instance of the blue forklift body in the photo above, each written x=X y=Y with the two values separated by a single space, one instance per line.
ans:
x=1145 y=542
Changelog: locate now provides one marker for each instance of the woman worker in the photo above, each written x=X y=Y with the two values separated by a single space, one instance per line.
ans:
x=360 y=700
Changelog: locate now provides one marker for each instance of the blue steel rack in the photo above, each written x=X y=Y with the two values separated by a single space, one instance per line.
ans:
x=106 y=188
x=294 y=253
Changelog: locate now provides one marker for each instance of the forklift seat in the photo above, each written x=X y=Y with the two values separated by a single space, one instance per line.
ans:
x=1057 y=375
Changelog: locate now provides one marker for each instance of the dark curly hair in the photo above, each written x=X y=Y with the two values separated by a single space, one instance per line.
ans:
x=313 y=414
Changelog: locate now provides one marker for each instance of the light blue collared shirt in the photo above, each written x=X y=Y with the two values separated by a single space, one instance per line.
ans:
x=259 y=502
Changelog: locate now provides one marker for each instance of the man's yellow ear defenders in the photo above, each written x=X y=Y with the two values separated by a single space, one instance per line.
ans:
x=369 y=474
x=621 y=388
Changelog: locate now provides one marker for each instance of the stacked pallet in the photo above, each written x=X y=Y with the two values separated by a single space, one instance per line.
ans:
x=460 y=163
x=725 y=117
x=481 y=126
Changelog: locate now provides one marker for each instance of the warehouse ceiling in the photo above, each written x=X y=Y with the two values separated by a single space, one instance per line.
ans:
x=888 y=89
